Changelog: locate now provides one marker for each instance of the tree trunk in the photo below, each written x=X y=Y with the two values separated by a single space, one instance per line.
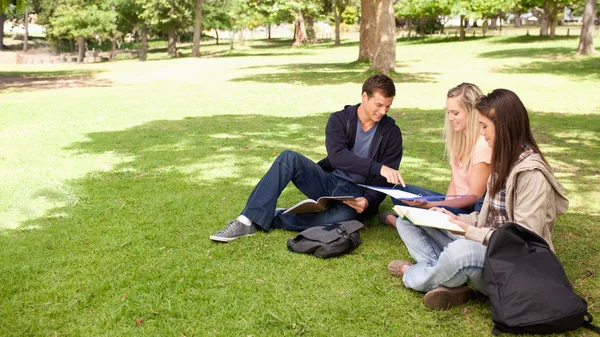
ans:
x=26 y=24
x=269 y=31
x=81 y=48
x=368 y=29
x=517 y=20
x=144 y=46
x=494 y=23
x=197 y=29
x=231 y=40
x=384 y=59
x=552 y=10
x=462 y=28
x=310 y=22
x=422 y=27
x=586 y=39
x=217 y=35
x=241 y=36
x=2 y=18
x=171 y=42
x=542 y=16
x=484 y=25
x=338 y=20
x=113 y=50
x=409 y=27
x=300 y=30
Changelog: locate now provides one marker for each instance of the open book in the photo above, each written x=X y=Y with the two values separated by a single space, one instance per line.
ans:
x=427 y=218
x=310 y=205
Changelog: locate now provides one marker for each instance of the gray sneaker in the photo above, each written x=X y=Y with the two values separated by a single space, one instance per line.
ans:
x=234 y=230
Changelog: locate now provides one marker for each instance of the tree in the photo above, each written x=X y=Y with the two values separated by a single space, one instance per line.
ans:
x=197 y=29
x=586 y=39
x=300 y=37
x=462 y=8
x=215 y=16
x=77 y=19
x=546 y=11
x=427 y=13
x=26 y=24
x=167 y=16
x=337 y=7
x=3 y=8
x=273 y=12
x=5 y=5
x=384 y=59
x=368 y=30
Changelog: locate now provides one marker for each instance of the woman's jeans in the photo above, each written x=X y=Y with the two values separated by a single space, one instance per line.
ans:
x=311 y=180
x=443 y=258
x=426 y=193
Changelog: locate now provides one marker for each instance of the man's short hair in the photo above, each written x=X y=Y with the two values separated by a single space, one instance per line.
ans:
x=381 y=84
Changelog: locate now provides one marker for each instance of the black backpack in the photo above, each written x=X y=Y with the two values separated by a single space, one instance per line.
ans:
x=528 y=288
x=329 y=240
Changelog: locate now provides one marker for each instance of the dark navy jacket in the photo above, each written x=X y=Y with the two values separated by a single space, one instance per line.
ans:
x=386 y=149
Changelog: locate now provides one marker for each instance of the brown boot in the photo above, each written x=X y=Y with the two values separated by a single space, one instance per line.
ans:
x=443 y=298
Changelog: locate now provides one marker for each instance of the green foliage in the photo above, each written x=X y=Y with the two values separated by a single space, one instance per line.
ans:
x=12 y=8
x=215 y=15
x=350 y=15
x=162 y=14
x=422 y=8
x=75 y=18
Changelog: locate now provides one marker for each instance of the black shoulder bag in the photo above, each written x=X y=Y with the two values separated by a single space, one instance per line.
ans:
x=329 y=240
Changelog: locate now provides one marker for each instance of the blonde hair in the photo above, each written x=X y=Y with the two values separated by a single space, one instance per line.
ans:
x=459 y=141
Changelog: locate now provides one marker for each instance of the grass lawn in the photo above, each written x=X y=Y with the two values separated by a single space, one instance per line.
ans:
x=114 y=175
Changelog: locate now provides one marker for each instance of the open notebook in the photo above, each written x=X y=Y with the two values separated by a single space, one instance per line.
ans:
x=427 y=218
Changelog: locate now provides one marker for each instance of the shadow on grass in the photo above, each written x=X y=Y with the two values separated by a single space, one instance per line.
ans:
x=241 y=51
x=272 y=44
x=133 y=243
x=580 y=67
x=434 y=40
x=533 y=38
x=549 y=52
x=330 y=73
x=11 y=81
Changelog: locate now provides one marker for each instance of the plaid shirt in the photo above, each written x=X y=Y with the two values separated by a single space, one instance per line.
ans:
x=497 y=215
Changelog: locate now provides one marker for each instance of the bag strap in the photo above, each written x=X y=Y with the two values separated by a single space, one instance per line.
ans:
x=588 y=323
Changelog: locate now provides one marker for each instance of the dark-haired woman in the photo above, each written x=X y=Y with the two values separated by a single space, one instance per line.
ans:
x=521 y=189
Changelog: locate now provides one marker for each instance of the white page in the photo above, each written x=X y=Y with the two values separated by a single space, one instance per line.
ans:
x=428 y=218
x=394 y=193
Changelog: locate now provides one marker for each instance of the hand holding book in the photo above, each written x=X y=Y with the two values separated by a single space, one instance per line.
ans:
x=428 y=218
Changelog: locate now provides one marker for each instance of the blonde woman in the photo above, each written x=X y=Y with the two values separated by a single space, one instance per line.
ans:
x=468 y=154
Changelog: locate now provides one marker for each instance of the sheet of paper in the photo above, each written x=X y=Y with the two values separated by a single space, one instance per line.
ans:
x=394 y=193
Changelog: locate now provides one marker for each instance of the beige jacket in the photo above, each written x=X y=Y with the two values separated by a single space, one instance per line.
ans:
x=533 y=200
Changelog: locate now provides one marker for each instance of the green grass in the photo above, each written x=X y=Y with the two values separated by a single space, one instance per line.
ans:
x=114 y=175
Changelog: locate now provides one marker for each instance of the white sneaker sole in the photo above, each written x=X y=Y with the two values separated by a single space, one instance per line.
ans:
x=222 y=239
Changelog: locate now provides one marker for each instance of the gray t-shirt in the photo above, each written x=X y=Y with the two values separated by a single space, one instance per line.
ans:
x=362 y=144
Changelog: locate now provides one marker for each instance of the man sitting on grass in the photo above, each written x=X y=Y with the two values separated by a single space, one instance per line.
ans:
x=364 y=146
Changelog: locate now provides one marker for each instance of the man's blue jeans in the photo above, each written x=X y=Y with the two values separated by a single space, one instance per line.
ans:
x=311 y=180
x=443 y=258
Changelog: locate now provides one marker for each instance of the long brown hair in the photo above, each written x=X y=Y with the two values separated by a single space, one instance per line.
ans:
x=513 y=133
